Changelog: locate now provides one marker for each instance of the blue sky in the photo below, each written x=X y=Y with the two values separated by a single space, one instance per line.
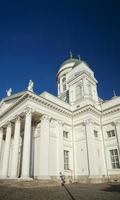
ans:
x=36 y=37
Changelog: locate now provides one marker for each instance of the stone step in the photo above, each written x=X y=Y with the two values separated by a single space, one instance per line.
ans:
x=29 y=183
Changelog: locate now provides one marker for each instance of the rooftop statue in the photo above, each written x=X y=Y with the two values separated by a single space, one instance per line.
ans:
x=9 y=92
x=30 y=86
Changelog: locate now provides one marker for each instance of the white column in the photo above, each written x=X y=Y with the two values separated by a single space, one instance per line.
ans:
x=6 y=151
x=60 y=153
x=27 y=146
x=14 y=168
x=44 y=148
x=1 y=138
x=91 y=148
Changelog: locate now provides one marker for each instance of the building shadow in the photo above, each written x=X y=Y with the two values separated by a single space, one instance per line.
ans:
x=112 y=188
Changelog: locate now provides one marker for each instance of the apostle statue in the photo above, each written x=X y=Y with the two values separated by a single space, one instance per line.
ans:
x=30 y=86
x=9 y=92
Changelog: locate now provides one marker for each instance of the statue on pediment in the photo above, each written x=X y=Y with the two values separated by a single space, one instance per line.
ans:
x=9 y=92
x=30 y=86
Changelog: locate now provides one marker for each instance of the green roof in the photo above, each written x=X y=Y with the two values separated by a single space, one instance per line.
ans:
x=70 y=60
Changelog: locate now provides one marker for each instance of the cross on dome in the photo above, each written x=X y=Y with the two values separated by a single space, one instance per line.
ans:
x=114 y=93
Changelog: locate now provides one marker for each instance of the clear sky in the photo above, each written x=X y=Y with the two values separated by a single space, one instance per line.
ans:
x=36 y=36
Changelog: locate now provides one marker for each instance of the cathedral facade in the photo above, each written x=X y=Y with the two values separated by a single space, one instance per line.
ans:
x=75 y=133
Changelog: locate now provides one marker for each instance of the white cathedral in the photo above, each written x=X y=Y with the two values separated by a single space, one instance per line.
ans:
x=75 y=133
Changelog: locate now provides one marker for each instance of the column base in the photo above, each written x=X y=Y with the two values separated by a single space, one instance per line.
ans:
x=43 y=177
x=25 y=178
x=4 y=177
x=13 y=178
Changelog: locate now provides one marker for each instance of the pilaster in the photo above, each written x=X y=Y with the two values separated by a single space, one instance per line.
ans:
x=44 y=148
x=60 y=158
x=85 y=87
x=91 y=148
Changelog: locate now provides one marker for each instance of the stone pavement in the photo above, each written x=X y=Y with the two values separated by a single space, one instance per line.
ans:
x=37 y=190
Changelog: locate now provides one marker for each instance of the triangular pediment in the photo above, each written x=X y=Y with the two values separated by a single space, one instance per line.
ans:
x=7 y=102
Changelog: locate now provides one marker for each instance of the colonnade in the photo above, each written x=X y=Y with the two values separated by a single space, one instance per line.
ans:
x=25 y=172
x=9 y=131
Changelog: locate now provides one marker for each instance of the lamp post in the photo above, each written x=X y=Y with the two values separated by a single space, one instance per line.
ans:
x=62 y=177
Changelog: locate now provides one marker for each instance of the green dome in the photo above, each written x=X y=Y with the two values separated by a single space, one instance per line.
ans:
x=70 y=60
x=69 y=63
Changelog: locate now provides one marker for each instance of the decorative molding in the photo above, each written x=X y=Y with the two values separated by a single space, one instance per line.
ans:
x=117 y=122
x=82 y=74
x=45 y=117
x=89 y=121
x=28 y=110
x=87 y=108
x=9 y=124
x=111 y=110
x=50 y=105
x=61 y=123
x=17 y=118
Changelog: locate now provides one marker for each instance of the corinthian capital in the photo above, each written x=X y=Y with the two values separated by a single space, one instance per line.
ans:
x=9 y=124
x=88 y=121
x=28 y=110
x=17 y=118
x=45 y=117
x=60 y=122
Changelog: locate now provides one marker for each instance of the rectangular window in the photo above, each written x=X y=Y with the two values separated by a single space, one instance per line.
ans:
x=95 y=133
x=114 y=159
x=66 y=160
x=111 y=133
x=65 y=134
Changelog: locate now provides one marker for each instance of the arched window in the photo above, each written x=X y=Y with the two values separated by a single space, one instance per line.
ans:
x=64 y=84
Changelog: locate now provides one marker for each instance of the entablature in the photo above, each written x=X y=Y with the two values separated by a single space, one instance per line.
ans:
x=88 y=108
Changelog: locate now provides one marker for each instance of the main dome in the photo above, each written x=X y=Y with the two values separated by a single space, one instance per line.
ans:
x=69 y=63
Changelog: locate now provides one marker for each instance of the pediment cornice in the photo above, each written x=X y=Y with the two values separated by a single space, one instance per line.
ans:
x=58 y=108
x=6 y=111
x=39 y=100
